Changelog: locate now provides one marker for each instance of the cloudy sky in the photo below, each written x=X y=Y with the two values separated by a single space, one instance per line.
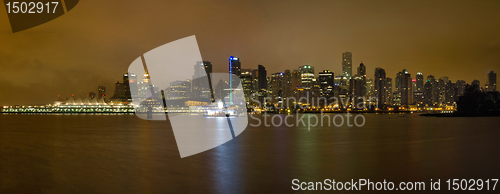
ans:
x=94 y=43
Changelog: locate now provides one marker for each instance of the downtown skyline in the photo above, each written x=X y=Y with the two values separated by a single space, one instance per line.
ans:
x=75 y=53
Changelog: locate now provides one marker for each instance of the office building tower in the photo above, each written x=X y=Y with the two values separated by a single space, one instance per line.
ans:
x=476 y=82
x=262 y=78
x=122 y=91
x=276 y=88
x=234 y=66
x=388 y=91
x=428 y=93
x=362 y=75
x=246 y=78
x=460 y=87
x=287 y=84
x=492 y=82
x=419 y=89
x=347 y=64
x=404 y=88
x=201 y=83
x=307 y=76
x=326 y=82
x=379 y=82
x=449 y=93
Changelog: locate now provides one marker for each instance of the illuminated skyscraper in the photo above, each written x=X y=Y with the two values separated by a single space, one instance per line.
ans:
x=326 y=83
x=404 y=87
x=362 y=77
x=201 y=82
x=419 y=90
x=276 y=87
x=307 y=76
x=380 y=86
x=347 y=64
x=287 y=84
x=234 y=66
x=178 y=90
x=247 y=83
x=388 y=91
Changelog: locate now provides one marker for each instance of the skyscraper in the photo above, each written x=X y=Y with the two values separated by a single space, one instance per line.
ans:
x=404 y=87
x=419 y=90
x=476 y=82
x=326 y=83
x=262 y=78
x=276 y=87
x=428 y=93
x=492 y=82
x=388 y=91
x=362 y=79
x=434 y=91
x=201 y=83
x=307 y=76
x=347 y=64
x=287 y=84
x=234 y=70
x=234 y=66
x=379 y=81
x=247 y=83
x=362 y=69
x=122 y=91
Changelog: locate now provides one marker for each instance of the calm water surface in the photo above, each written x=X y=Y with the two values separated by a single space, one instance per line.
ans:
x=124 y=154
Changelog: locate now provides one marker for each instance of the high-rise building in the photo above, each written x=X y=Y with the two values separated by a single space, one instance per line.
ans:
x=404 y=87
x=460 y=88
x=246 y=78
x=262 y=78
x=234 y=66
x=419 y=89
x=326 y=83
x=178 y=90
x=388 y=91
x=379 y=82
x=428 y=100
x=276 y=87
x=370 y=88
x=362 y=76
x=347 y=64
x=356 y=91
x=234 y=70
x=476 y=82
x=492 y=82
x=122 y=91
x=287 y=84
x=450 y=93
x=201 y=83
x=307 y=76
x=432 y=95
x=441 y=86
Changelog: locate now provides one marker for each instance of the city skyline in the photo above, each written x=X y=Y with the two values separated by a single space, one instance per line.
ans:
x=392 y=35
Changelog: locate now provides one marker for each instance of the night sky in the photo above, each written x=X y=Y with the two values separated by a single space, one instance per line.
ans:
x=94 y=43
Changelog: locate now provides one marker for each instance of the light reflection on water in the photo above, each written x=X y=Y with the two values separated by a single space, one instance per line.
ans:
x=123 y=154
